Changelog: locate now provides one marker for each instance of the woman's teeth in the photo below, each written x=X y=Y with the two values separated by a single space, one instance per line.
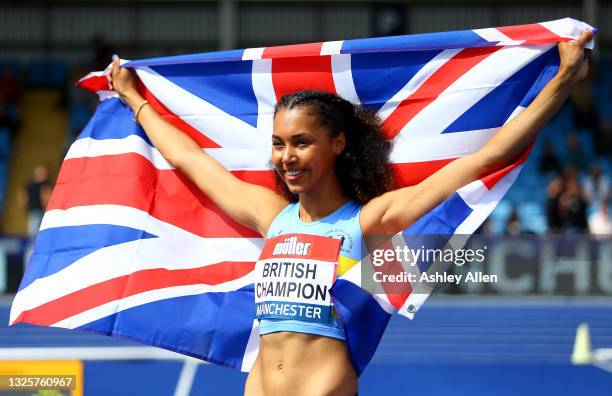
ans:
x=294 y=172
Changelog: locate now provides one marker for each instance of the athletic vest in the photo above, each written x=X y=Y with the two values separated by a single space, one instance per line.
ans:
x=342 y=224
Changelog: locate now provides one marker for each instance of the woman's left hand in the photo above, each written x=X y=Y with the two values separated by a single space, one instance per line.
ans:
x=574 y=65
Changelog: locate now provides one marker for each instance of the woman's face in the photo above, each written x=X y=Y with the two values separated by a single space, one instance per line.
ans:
x=303 y=153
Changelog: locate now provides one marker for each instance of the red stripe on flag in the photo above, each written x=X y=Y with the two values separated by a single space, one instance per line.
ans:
x=131 y=180
x=201 y=139
x=294 y=74
x=396 y=292
x=409 y=174
x=440 y=80
x=491 y=180
x=532 y=31
x=130 y=285
x=94 y=83
x=293 y=50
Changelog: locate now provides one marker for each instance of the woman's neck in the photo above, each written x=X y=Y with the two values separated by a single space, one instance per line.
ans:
x=315 y=207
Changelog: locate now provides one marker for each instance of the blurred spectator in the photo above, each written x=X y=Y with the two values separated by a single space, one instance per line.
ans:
x=485 y=228
x=549 y=161
x=9 y=117
x=596 y=185
x=102 y=53
x=553 y=217
x=603 y=141
x=35 y=196
x=587 y=117
x=81 y=106
x=574 y=156
x=581 y=99
x=513 y=225
x=572 y=207
x=9 y=86
x=10 y=94
x=599 y=222
x=566 y=204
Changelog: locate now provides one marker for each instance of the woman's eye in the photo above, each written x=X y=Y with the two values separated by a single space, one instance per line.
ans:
x=277 y=143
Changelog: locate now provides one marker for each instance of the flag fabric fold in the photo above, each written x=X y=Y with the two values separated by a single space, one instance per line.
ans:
x=130 y=248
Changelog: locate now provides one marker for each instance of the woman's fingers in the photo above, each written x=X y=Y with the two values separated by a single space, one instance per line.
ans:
x=582 y=57
x=115 y=67
x=121 y=80
x=584 y=38
x=109 y=79
x=114 y=72
x=574 y=63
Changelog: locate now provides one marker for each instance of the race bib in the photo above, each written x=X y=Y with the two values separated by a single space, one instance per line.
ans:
x=293 y=277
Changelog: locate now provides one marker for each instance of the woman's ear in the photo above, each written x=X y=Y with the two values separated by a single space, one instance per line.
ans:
x=339 y=143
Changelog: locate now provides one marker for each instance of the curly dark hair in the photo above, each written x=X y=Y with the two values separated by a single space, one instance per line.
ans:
x=363 y=168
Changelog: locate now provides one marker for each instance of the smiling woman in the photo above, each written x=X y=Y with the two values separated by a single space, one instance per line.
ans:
x=328 y=132
x=330 y=159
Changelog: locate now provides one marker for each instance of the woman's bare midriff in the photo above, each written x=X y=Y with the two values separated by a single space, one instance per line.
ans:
x=302 y=365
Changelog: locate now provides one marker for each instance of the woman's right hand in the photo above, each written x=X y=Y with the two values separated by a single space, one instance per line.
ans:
x=573 y=64
x=123 y=81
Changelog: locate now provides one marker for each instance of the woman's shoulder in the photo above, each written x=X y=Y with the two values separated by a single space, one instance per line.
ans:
x=279 y=222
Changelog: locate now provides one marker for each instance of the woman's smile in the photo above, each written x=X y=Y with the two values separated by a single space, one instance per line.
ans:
x=294 y=175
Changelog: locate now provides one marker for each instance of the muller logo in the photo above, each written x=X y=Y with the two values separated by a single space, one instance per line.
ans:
x=291 y=246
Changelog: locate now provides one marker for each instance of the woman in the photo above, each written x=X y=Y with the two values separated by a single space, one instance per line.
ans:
x=312 y=136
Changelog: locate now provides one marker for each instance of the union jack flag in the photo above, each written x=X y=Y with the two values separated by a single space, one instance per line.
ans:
x=130 y=248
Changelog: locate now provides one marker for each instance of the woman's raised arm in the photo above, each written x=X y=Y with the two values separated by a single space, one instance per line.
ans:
x=396 y=210
x=251 y=205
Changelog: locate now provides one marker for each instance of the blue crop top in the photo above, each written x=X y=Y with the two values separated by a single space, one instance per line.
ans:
x=343 y=224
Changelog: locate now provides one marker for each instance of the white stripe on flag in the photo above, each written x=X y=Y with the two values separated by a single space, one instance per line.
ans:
x=88 y=147
x=343 y=77
x=569 y=28
x=465 y=92
x=482 y=200
x=252 y=348
x=495 y=35
x=243 y=158
x=264 y=92
x=444 y=146
x=103 y=95
x=331 y=47
x=118 y=215
x=150 y=296
x=239 y=158
x=416 y=299
x=224 y=129
x=416 y=81
x=253 y=53
x=456 y=144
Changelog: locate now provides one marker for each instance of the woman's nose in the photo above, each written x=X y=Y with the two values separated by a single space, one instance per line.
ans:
x=288 y=154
